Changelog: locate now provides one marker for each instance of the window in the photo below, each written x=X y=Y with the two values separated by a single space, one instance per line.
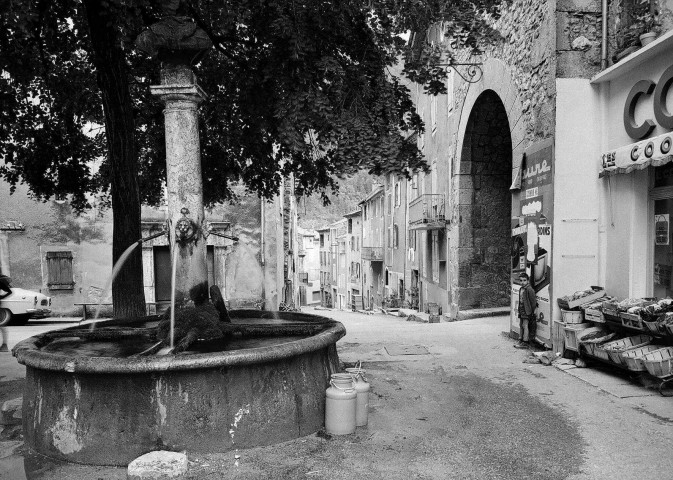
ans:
x=396 y=236
x=390 y=204
x=59 y=270
x=397 y=194
x=350 y=225
x=412 y=239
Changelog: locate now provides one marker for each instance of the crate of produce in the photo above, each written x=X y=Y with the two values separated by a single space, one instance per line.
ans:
x=659 y=362
x=633 y=359
x=572 y=316
x=615 y=347
x=601 y=353
x=570 y=333
x=594 y=315
x=631 y=320
x=578 y=298
x=610 y=308
x=592 y=336
x=656 y=327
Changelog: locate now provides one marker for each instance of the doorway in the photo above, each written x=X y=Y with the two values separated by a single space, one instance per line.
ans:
x=485 y=175
x=163 y=271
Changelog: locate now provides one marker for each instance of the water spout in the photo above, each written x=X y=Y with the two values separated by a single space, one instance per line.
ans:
x=118 y=266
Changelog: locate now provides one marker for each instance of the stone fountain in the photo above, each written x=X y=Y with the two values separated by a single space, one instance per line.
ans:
x=107 y=398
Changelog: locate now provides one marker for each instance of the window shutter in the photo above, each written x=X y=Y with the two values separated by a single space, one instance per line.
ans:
x=59 y=270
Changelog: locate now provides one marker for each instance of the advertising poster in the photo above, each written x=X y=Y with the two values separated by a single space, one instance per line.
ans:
x=532 y=231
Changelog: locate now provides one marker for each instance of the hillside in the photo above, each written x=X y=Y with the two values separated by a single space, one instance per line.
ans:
x=312 y=214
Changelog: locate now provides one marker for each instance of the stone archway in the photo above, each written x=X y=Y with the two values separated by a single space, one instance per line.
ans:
x=484 y=207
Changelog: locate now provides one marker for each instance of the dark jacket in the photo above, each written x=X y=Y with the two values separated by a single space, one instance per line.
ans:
x=527 y=301
x=5 y=289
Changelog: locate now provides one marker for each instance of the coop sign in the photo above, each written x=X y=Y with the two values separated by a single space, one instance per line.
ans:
x=645 y=88
x=655 y=151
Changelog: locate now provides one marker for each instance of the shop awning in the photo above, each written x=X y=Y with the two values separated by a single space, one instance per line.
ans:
x=653 y=152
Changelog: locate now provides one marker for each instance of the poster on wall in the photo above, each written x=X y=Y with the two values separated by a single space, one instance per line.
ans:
x=532 y=231
x=661 y=226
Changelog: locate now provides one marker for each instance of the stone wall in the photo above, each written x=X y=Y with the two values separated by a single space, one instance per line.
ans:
x=578 y=38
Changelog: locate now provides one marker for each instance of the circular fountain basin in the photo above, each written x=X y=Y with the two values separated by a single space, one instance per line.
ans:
x=98 y=406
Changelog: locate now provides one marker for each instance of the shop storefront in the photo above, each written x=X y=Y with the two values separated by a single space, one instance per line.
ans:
x=613 y=204
x=636 y=172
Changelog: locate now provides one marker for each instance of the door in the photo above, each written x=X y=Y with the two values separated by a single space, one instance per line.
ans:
x=162 y=271
x=162 y=274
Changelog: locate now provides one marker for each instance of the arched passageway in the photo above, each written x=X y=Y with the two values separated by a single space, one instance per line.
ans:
x=484 y=207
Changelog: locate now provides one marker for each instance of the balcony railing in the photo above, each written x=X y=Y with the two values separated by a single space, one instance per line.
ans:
x=372 y=254
x=427 y=212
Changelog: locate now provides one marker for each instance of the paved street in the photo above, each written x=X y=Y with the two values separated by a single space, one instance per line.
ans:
x=448 y=400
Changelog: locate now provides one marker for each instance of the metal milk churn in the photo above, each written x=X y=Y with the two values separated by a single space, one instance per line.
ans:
x=340 y=405
x=362 y=389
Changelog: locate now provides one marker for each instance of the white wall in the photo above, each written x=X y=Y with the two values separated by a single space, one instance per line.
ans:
x=575 y=239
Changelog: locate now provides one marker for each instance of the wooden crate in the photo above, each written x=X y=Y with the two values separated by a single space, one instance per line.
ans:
x=631 y=320
x=570 y=304
x=558 y=338
x=593 y=315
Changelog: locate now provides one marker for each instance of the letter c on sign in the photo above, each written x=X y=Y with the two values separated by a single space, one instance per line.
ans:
x=637 y=131
x=661 y=113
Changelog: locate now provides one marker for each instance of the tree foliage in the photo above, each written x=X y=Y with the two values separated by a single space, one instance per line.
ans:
x=295 y=88
x=301 y=88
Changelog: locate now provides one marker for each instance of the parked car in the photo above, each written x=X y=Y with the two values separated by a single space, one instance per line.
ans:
x=21 y=305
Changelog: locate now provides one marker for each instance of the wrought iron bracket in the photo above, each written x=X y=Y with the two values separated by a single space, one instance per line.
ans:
x=472 y=71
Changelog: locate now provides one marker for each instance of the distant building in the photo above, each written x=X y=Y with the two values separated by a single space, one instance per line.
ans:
x=326 y=299
x=396 y=243
x=308 y=266
x=373 y=228
x=354 y=260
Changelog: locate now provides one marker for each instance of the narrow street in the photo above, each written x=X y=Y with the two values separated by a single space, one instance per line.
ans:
x=448 y=400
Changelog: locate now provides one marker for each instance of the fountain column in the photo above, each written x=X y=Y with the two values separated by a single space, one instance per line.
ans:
x=181 y=94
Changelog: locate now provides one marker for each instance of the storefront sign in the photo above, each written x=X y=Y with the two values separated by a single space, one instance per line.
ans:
x=645 y=88
x=654 y=152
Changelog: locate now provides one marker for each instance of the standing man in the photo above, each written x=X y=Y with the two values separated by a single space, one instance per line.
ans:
x=527 y=320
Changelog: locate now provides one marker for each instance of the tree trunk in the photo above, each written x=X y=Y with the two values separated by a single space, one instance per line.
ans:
x=128 y=297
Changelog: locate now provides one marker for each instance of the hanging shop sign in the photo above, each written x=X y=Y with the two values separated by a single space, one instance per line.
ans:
x=653 y=152
x=659 y=91
x=532 y=230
